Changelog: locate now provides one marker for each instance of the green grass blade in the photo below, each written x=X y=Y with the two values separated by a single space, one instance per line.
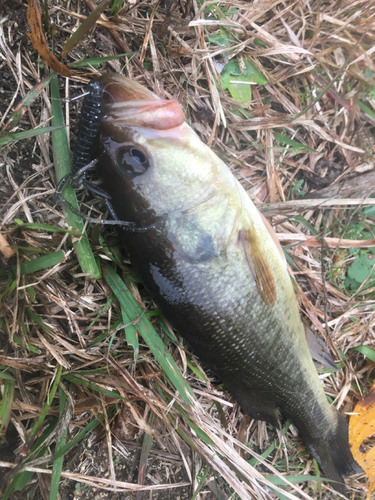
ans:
x=145 y=451
x=366 y=351
x=26 y=102
x=196 y=371
x=100 y=313
x=6 y=402
x=187 y=438
x=26 y=134
x=19 y=482
x=201 y=434
x=299 y=218
x=324 y=90
x=6 y=375
x=254 y=461
x=62 y=167
x=44 y=262
x=201 y=478
x=37 y=451
x=298 y=478
x=284 y=139
x=119 y=289
x=104 y=335
x=131 y=334
x=29 y=346
x=94 y=387
x=366 y=110
x=38 y=264
x=46 y=227
x=84 y=28
x=32 y=250
x=116 y=6
x=60 y=443
x=149 y=335
x=47 y=406
x=38 y=320
x=9 y=286
x=89 y=427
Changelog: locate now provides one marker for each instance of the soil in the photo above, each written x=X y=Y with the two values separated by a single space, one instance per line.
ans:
x=23 y=159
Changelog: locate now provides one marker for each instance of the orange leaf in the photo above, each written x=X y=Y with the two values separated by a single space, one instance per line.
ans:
x=5 y=249
x=40 y=43
x=362 y=427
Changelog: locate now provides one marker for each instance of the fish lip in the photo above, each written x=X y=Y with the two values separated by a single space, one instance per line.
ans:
x=157 y=115
x=129 y=103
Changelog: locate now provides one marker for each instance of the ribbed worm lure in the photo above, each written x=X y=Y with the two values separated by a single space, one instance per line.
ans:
x=91 y=118
x=89 y=126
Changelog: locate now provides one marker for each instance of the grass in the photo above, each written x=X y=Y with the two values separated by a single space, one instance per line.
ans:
x=62 y=168
x=82 y=341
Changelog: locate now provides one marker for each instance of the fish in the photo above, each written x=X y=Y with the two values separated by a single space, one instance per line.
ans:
x=213 y=265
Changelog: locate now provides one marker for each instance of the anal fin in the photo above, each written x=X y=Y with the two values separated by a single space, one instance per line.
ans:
x=257 y=404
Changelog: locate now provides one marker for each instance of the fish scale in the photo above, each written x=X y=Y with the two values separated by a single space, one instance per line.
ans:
x=205 y=319
x=214 y=266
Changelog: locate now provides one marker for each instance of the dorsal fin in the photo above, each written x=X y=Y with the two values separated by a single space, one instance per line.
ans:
x=258 y=264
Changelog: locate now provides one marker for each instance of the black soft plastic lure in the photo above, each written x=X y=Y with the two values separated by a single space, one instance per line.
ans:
x=83 y=158
x=90 y=121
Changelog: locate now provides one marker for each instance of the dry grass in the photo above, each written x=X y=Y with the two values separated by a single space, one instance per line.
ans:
x=51 y=318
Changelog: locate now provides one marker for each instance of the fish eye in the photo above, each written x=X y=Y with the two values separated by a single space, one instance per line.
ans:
x=132 y=161
x=138 y=155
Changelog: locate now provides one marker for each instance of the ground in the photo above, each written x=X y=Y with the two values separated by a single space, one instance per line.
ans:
x=289 y=146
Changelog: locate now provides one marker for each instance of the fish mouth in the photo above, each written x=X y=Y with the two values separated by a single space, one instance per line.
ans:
x=129 y=103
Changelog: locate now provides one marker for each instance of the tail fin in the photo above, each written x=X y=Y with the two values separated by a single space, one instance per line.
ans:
x=334 y=456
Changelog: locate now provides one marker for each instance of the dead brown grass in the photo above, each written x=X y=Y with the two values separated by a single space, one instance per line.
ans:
x=300 y=47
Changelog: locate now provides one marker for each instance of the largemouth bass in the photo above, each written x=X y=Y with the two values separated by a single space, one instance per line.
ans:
x=213 y=266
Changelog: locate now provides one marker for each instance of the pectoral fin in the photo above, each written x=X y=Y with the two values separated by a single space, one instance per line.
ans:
x=259 y=266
